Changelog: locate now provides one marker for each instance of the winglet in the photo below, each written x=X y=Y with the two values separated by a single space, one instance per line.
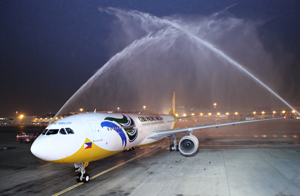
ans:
x=172 y=109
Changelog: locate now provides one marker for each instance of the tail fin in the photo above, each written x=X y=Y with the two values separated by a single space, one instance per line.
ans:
x=284 y=115
x=172 y=109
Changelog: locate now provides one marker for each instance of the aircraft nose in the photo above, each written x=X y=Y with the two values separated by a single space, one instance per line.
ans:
x=36 y=149
x=43 y=149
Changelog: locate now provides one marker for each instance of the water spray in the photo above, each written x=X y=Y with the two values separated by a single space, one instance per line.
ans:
x=208 y=45
x=161 y=26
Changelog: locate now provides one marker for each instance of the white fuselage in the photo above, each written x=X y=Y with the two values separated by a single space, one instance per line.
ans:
x=91 y=136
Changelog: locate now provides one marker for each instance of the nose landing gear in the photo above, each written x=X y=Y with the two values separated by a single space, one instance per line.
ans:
x=82 y=176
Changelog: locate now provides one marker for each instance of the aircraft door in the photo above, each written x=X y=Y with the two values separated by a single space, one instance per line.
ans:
x=96 y=130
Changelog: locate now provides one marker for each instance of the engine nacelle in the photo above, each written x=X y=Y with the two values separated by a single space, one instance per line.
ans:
x=188 y=145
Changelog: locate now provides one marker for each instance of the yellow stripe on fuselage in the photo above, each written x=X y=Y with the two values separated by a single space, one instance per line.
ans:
x=87 y=155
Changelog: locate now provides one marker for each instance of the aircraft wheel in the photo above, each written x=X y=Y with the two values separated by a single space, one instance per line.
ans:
x=171 y=147
x=86 y=178
x=78 y=178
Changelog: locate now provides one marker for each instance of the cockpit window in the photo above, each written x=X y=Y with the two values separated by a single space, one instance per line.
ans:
x=62 y=131
x=44 y=132
x=52 y=132
x=69 y=131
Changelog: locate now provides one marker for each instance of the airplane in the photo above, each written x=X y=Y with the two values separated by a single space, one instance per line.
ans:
x=82 y=138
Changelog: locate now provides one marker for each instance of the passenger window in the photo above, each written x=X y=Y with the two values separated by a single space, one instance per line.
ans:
x=62 y=131
x=69 y=131
x=52 y=132
x=44 y=132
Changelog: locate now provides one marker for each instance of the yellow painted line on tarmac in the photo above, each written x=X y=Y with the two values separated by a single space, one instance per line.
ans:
x=101 y=173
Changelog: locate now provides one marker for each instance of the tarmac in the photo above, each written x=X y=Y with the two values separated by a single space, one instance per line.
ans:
x=229 y=162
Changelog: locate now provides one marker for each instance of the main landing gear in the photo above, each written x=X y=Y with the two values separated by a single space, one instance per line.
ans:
x=174 y=146
x=82 y=176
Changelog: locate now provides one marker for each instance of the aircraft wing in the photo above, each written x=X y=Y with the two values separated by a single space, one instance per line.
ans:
x=166 y=133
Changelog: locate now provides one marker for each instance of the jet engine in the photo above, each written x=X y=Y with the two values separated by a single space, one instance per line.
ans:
x=188 y=145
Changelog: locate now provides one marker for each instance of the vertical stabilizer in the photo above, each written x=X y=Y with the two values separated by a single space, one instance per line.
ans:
x=172 y=109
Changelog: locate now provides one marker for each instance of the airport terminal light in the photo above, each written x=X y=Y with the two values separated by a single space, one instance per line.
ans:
x=144 y=107
x=263 y=112
x=274 y=112
x=227 y=113
x=215 y=105
x=193 y=114
x=293 y=111
x=81 y=109
x=236 y=113
x=283 y=111
x=184 y=115
x=218 y=113
x=201 y=114
x=21 y=116
x=209 y=114
x=118 y=108
x=176 y=115
x=254 y=112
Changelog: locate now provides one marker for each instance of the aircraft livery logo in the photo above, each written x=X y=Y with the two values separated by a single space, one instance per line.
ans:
x=122 y=126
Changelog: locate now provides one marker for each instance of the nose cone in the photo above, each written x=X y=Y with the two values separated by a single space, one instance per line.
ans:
x=38 y=149
x=47 y=148
x=54 y=148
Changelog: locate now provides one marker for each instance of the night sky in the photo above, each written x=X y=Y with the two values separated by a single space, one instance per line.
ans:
x=49 y=49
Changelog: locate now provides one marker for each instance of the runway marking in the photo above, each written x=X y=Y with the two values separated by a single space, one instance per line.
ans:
x=101 y=173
